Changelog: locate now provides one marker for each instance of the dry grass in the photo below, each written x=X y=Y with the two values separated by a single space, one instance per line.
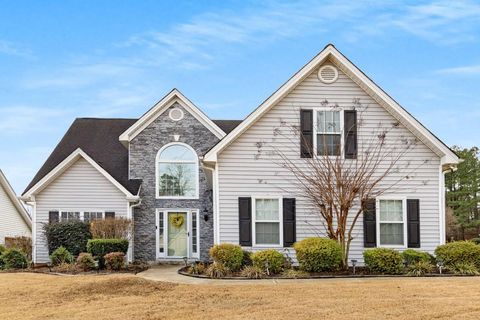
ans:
x=39 y=296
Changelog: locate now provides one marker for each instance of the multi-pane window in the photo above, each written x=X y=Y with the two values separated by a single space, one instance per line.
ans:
x=161 y=232
x=328 y=133
x=391 y=221
x=92 y=215
x=69 y=216
x=177 y=169
x=194 y=232
x=267 y=221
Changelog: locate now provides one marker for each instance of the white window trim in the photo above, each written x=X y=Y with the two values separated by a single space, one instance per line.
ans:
x=82 y=213
x=315 y=138
x=404 y=216
x=197 y=177
x=254 y=221
x=190 y=212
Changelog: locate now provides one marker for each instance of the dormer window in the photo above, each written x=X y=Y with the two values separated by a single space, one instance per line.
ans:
x=177 y=172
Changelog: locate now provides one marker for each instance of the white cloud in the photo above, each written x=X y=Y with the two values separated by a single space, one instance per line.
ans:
x=22 y=120
x=465 y=70
x=12 y=49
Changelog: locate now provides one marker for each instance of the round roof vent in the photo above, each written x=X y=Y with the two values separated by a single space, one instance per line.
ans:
x=328 y=74
x=176 y=114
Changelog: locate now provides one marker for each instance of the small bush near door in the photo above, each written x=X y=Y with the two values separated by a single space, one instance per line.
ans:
x=85 y=261
x=458 y=252
x=14 y=259
x=383 y=260
x=73 y=235
x=115 y=260
x=318 y=254
x=271 y=261
x=61 y=255
x=100 y=247
x=230 y=255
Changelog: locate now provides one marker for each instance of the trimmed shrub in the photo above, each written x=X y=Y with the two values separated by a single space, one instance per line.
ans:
x=247 y=258
x=21 y=243
x=197 y=268
x=271 y=261
x=217 y=270
x=419 y=268
x=118 y=228
x=85 y=261
x=14 y=259
x=115 y=260
x=2 y=249
x=100 y=247
x=318 y=254
x=458 y=252
x=383 y=260
x=475 y=240
x=411 y=256
x=61 y=255
x=73 y=235
x=230 y=255
x=252 y=272
x=465 y=268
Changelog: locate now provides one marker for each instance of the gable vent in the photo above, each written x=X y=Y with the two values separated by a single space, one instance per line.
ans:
x=176 y=114
x=328 y=74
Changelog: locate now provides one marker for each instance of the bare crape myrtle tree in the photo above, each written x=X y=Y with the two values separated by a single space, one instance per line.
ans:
x=342 y=165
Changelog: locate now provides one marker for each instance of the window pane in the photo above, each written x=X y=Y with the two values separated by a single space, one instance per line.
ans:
x=178 y=152
x=70 y=215
x=160 y=232
x=328 y=122
x=177 y=179
x=391 y=234
x=194 y=232
x=266 y=209
x=90 y=216
x=321 y=121
x=267 y=233
x=328 y=144
x=391 y=210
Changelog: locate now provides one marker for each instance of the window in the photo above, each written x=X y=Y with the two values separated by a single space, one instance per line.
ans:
x=267 y=219
x=328 y=133
x=92 y=215
x=177 y=172
x=194 y=232
x=160 y=233
x=69 y=216
x=392 y=224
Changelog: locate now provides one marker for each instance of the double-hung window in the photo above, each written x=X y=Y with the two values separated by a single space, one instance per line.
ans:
x=328 y=133
x=69 y=216
x=267 y=221
x=391 y=222
x=92 y=215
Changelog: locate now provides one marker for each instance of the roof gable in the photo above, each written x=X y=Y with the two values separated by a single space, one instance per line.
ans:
x=5 y=185
x=174 y=96
x=383 y=99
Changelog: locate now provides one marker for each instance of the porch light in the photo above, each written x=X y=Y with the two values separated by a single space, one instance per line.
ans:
x=205 y=214
x=354 y=264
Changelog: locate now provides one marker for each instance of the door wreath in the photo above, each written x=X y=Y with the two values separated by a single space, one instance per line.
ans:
x=177 y=220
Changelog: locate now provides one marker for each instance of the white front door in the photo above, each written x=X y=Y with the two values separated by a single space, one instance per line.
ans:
x=177 y=233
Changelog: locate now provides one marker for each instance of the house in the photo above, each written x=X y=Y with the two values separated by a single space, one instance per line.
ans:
x=188 y=181
x=14 y=219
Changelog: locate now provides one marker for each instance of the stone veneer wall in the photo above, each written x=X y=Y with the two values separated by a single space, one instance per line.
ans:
x=143 y=152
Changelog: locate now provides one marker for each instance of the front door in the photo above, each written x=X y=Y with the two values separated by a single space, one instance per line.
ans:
x=177 y=234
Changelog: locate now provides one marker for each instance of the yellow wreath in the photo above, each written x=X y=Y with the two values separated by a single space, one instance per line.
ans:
x=177 y=220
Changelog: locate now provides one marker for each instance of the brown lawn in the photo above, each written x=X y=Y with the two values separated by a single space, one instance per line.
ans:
x=38 y=296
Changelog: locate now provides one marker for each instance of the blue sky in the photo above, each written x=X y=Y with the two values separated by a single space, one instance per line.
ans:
x=65 y=59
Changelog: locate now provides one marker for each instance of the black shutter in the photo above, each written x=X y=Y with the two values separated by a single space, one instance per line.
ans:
x=350 y=134
x=289 y=227
x=369 y=224
x=306 y=133
x=110 y=215
x=53 y=217
x=245 y=221
x=413 y=223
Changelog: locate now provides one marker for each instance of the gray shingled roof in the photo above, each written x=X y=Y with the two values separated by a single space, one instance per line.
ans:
x=99 y=139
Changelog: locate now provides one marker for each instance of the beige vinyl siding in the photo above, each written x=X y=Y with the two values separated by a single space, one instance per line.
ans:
x=11 y=221
x=241 y=175
x=80 y=188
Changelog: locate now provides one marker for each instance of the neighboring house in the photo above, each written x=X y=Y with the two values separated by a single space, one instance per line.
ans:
x=189 y=182
x=14 y=219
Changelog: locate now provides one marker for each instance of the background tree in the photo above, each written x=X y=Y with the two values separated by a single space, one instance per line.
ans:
x=340 y=189
x=462 y=192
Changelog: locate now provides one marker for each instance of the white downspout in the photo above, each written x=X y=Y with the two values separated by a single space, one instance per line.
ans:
x=132 y=235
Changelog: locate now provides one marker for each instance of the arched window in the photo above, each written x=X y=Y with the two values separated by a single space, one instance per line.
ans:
x=177 y=172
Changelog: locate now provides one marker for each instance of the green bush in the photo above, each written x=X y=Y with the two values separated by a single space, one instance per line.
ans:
x=61 y=255
x=419 y=268
x=100 y=247
x=85 y=261
x=411 y=256
x=2 y=249
x=271 y=261
x=73 y=235
x=318 y=254
x=475 y=240
x=465 y=268
x=458 y=252
x=230 y=255
x=383 y=260
x=14 y=259
x=247 y=258
x=115 y=260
